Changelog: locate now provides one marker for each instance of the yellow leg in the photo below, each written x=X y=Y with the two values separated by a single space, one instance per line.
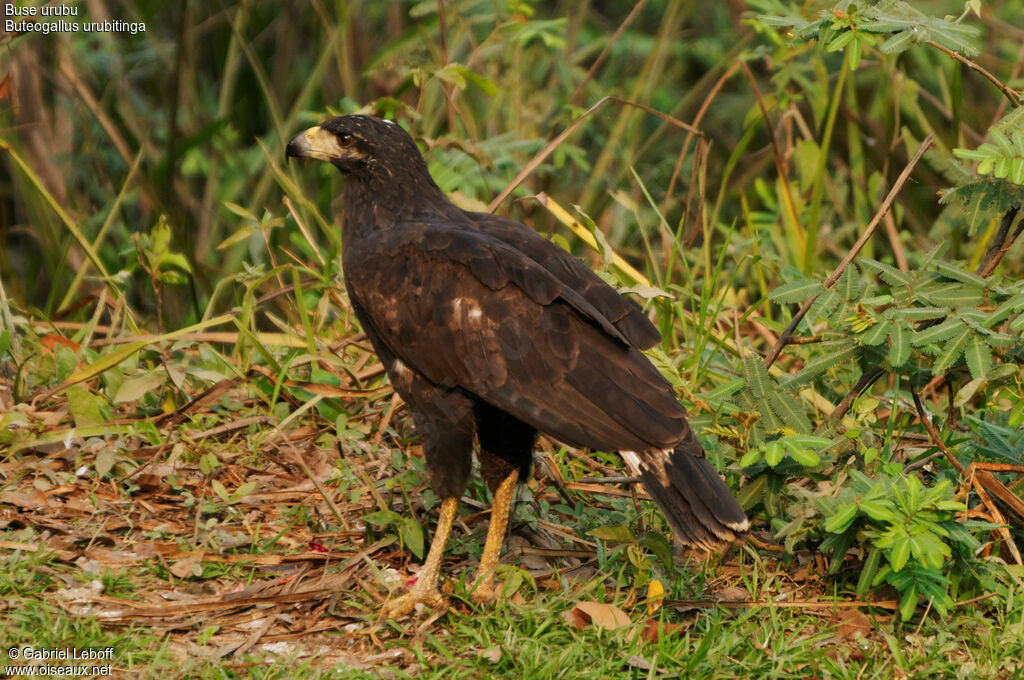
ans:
x=425 y=591
x=484 y=589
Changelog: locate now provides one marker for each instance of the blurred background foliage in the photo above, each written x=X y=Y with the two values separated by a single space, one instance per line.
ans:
x=204 y=99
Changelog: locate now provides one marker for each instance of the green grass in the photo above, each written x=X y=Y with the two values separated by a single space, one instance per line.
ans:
x=532 y=639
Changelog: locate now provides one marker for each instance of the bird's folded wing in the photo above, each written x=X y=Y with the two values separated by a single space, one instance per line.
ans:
x=466 y=310
x=627 y=317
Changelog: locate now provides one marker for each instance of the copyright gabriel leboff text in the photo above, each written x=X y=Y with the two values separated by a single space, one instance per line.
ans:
x=58 y=661
x=62 y=18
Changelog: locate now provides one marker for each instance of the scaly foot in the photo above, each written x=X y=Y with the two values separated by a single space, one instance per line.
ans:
x=406 y=604
x=484 y=591
x=425 y=591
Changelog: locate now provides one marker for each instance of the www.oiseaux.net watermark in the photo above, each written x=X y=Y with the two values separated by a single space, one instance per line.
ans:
x=62 y=662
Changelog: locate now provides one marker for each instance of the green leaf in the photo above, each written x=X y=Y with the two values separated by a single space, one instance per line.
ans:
x=659 y=547
x=849 y=286
x=485 y=84
x=803 y=456
x=1003 y=311
x=382 y=518
x=878 y=510
x=84 y=407
x=773 y=452
x=891 y=274
x=966 y=393
x=875 y=335
x=796 y=291
x=953 y=272
x=947 y=329
x=757 y=376
x=922 y=313
x=411 y=533
x=242 y=491
x=810 y=440
x=789 y=411
x=908 y=603
x=950 y=294
x=899 y=348
x=615 y=533
x=105 y=460
x=842 y=519
x=868 y=571
x=208 y=462
x=751 y=457
x=725 y=390
x=840 y=41
x=952 y=352
x=979 y=357
x=136 y=387
x=900 y=553
x=834 y=354
x=219 y=489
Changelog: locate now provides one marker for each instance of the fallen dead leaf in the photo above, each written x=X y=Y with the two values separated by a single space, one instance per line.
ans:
x=655 y=631
x=732 y=594
x=852 y=631
x=33 y=499
x=853 y=624
x=606 y=616
x=183 y=568
x=655 y=596
x=492 y=654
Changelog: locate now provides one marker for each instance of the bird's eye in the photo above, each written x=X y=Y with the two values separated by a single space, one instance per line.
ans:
x=345 y=139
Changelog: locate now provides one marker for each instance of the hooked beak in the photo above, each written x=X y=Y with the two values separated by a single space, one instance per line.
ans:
x=314 y=143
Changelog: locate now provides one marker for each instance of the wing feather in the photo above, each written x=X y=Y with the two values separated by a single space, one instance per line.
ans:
x=626 y=317
x=468 y=311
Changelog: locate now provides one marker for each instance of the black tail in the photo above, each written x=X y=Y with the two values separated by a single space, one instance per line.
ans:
x=698 y=505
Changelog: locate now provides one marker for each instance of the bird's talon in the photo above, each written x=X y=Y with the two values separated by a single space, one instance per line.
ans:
x=484 y=592
x=406 y=604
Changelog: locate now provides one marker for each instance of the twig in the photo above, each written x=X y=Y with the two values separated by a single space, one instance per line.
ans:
x=934 y=434
x=894 y=241
x=997 y=518
x=1010 y=95
x=1002 y=243
x=867 y=379
x=784 y=339
x=300 y=459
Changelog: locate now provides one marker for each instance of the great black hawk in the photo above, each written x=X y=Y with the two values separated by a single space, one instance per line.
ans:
x=487 y=329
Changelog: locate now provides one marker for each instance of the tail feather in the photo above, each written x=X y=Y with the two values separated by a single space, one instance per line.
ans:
x=698 y=505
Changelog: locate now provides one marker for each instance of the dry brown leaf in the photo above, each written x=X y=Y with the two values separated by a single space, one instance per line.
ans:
x=492 y=654
x=606 y=616
x=183 y=568
x=655 y=630
x=32 y=499
x=576 y=618
x=732 y=594
x=852 y=623
x=852 y=630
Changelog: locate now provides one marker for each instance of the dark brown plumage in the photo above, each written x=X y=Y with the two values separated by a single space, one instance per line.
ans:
x=486 y=328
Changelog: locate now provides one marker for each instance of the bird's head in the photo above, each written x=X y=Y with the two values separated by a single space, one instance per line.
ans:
x=357 y=145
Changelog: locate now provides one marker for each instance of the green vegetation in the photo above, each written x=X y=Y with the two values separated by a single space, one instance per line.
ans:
x=819 y=205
